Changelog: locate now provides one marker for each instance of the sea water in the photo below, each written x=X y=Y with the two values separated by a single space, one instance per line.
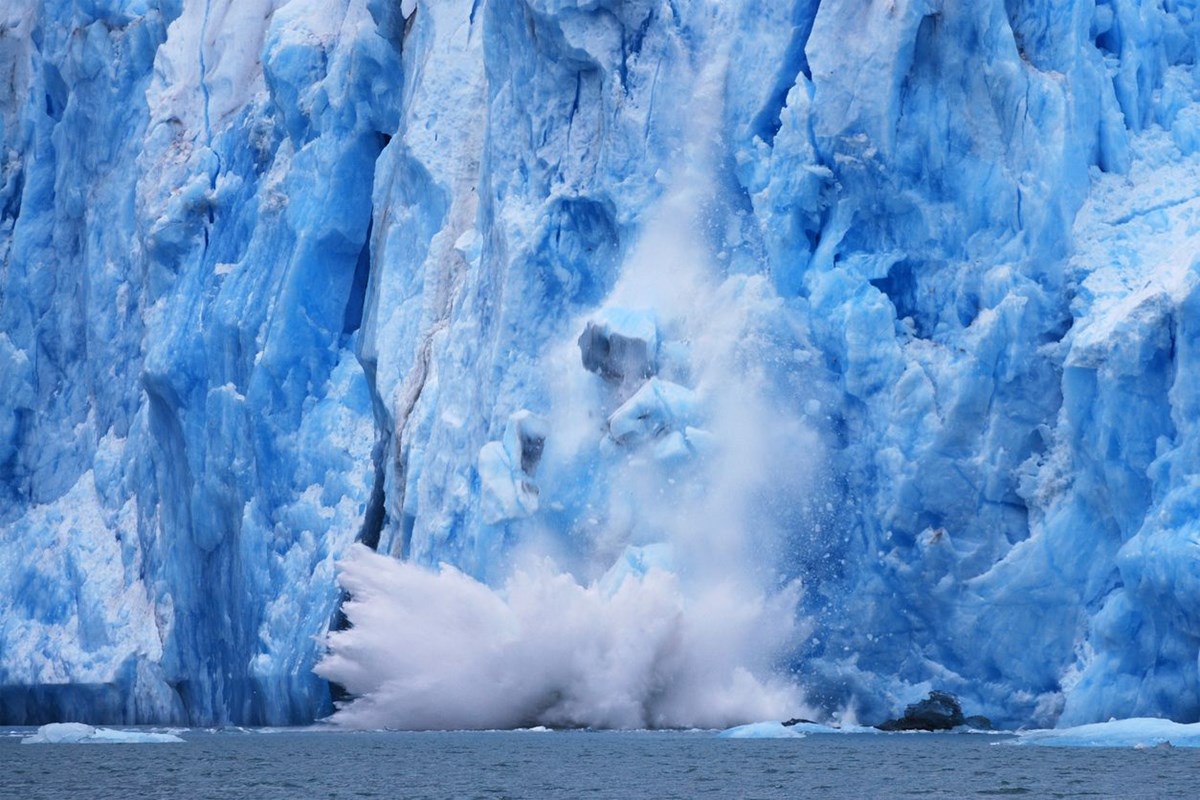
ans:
x=584 y=764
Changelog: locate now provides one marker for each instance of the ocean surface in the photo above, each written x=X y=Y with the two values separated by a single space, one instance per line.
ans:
x=324 y=764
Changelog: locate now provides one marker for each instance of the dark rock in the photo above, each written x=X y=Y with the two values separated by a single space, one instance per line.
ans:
x=940 y=711
x=798 y=721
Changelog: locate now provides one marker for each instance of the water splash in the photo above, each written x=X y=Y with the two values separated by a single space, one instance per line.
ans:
x=438 y=650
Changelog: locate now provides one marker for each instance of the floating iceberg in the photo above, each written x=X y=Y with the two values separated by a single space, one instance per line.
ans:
x=761 y=730
x=1136 y=732
x=790 y=730
x=78 y=733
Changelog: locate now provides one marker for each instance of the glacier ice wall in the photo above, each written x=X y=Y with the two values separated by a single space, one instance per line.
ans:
x=892 y=298
x=185 y=268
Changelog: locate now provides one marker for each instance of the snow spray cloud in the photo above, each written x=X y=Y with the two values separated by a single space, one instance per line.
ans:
x=669 y=608
x=438 y=650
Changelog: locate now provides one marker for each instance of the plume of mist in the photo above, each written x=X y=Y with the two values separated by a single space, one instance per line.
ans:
x=439 y=650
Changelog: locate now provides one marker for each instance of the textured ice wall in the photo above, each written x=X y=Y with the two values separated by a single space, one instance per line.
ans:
x=277 y=275
x=185 y=263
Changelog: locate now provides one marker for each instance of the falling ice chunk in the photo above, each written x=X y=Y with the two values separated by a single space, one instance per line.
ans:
x=655 y=410
x=636 y=562
x=620 y=345
x=524 y=437
x=506 y=469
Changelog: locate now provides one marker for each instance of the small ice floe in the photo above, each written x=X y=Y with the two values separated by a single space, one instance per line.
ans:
x=808 y=726
x=1142 y=733
x=78 y=733
x=792 y=729
x=762 y=730
x=1159 y=746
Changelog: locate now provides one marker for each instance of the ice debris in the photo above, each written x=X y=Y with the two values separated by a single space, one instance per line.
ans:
x=506 y=469
x=657 y=409
x=620 y=345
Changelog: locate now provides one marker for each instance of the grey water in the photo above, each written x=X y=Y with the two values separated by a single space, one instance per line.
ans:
x=577 y=764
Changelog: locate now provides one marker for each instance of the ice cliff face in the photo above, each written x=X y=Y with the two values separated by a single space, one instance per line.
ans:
x=880 y=316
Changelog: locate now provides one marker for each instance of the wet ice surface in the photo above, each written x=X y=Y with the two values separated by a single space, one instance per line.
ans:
x=325 y=764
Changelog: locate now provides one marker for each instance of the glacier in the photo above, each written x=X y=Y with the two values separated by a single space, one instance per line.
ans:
x=655 y=362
